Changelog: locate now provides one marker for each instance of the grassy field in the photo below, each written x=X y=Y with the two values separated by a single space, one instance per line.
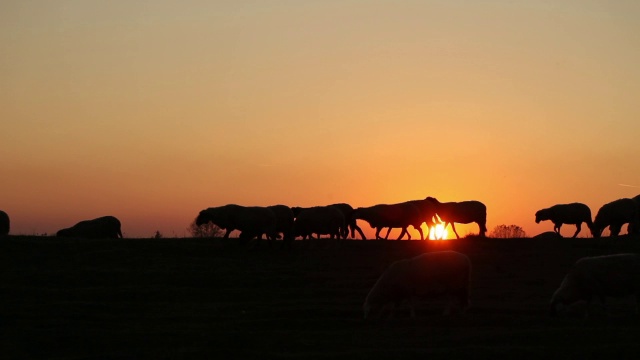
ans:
x=206 y=298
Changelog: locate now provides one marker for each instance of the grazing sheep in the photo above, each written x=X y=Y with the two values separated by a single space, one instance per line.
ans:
x=463 y=212
x=598 y=277
x=351 y=224
x=391 y=216
x=102 y=227
x=284 y=223
x=4 y=223
x=432 y=274
x=427 y=212
x=319 y=220
x=573 y=214
x=251 y=221
x=614 y=215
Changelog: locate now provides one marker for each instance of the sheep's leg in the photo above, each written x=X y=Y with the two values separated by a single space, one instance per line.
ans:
x=226 y=234
x=453 y=226
x=388 y=231
x=578 y=228
x=404 y=231
x=378 y=229
x=557 y=227
x=359 y=231
x=420 y=231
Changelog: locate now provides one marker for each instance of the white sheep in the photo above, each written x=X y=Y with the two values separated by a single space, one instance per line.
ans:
x=432 y=274
x=572 y=214
x=598 y=277
x=614 y=215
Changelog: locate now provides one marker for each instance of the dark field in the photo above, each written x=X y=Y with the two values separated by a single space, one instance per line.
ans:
x=187 y=298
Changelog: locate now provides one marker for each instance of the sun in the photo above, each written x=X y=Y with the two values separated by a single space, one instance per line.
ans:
x=438 y=232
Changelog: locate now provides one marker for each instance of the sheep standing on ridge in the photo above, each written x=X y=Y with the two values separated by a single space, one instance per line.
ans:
x=598 y=277
x=573 y=214
x=432 y=274
x=4 y=223
x=319 y=220
x=463 y=212
x=284 y=224
x=391 y=216
x=351 y=225
x=102 y=227
x=251 y=221
x=614 y=215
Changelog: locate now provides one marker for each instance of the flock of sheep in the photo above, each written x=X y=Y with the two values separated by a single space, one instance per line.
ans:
x=338 y=220
x=444 y=273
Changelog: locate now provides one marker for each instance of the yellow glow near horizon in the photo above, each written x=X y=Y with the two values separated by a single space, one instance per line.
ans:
x=438 y=232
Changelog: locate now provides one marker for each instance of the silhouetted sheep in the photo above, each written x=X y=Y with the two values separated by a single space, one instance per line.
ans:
x=598 y=277
x=433 y=274
x=614 y=215
x=351 y=224
x=319 y=220
x=463 y=212
x=427 y=210
x=284 y=223
x=391 y=216
x=102 y=227
x=5 y=223
x=251 y=221
x=573 y=214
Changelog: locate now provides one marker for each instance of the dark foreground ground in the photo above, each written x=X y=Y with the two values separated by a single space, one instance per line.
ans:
x=188 y=298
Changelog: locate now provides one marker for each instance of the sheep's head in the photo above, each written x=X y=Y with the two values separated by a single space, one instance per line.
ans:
x=596 y=230
x=204 y=217
x=541 y=215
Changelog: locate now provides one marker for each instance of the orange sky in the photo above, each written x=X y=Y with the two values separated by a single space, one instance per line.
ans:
x=154 y=110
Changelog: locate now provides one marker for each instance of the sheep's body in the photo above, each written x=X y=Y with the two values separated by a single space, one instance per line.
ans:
x=102 y=227
x=284 y=222
x=351 y=225
x=5 y=223
x=463 y=212
x=614 y=215
x=572 y=214
x=429 y=275
x=319 y=220
x=391 y=216
x=598 y=277
x=251 y=221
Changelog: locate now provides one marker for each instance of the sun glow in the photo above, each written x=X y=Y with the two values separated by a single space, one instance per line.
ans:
x=438 y=232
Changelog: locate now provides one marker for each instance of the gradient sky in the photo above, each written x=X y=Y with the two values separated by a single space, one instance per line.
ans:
x=154 y=110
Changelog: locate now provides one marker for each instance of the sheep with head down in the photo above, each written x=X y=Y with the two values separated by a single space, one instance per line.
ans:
x=463 y=212
x=598 y=277
x=102 y=227
x=251 y=221
x=614 y=215
x=572 y=214
x=391 y=216
x=319 y=220
x=433 y=274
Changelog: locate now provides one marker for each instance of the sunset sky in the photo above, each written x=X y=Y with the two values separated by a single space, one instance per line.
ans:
x=154 y=110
